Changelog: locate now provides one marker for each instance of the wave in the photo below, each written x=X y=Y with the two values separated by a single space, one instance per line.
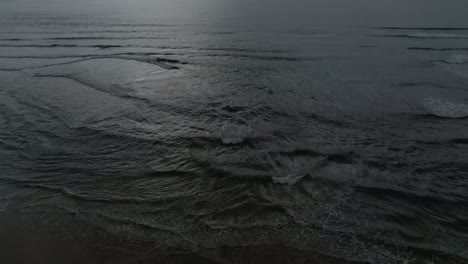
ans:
x=437 y=49
x=109 y=46
x=232 y=134
x=258 y=57
x=445 y=108
x=220 y=33
x=323 y=161
x=10 y=70
x=229 y=49
x=436 y=85
x=425 y=28
x=63 y=46
x=101 y=38
x=81 y=38
x=105 y=199
x=115 y=220
x=425 y=36
x=240 y=50
x=39 y=46
x=148 y=25
x=456 y=59
x=290 y=179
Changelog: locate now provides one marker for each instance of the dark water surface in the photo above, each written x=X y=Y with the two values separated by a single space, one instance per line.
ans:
x=177 y=131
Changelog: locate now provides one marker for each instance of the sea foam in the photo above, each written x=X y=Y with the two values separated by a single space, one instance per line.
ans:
x=445 y=108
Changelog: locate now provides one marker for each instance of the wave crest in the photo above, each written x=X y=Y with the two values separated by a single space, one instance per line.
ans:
x=445 y=108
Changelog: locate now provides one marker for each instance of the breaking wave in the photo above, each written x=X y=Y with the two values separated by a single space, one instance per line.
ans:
x=445 y=108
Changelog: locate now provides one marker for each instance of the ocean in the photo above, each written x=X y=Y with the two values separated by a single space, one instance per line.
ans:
x=234 y=132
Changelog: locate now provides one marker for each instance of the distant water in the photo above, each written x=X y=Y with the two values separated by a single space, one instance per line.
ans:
x=196 y=133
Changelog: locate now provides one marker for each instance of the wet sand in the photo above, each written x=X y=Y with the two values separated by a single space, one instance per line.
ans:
x=37 y=239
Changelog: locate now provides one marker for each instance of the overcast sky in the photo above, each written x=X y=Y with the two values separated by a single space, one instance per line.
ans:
x=431 y=13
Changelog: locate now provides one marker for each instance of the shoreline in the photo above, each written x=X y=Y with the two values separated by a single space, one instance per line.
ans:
x=37 y=239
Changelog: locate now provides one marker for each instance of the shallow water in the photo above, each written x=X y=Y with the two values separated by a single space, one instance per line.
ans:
x=171 y=125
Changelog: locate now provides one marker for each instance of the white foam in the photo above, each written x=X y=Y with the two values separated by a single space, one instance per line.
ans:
x=457 y=59
x=290 y=179
x=445 y=108
x=232 y=134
